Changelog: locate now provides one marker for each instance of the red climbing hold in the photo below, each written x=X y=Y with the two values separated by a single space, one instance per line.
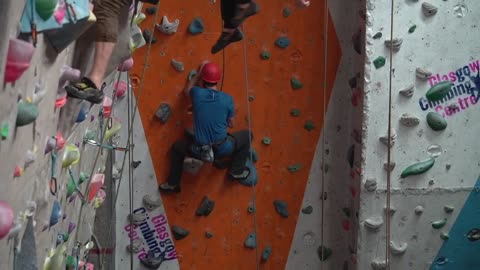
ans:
x=6 y=218
x=346 y=225
x=18 y=59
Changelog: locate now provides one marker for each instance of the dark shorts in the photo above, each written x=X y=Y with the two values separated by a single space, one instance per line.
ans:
x=108 y=13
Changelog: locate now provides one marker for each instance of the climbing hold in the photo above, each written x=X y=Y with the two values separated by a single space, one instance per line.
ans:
x=26 y=113
x=205 y=207
x=379 y=62
x=70 y=156
x=351 y=155
x=116 y=126
x=398 y=249
x=370 y=185
x=251 y=209
x=137 y=163
x=296 y=84
x=18 y=171
x=151 y=10
x=6 y=218
x=388 y=167
x=309 y=125
x=357 y=41
x=394 y=44
x=423 y=73
x=286 y=12
x=448 y=209
x=265 y=55
x=179 y=233
x=192 y=74
x=97 y=182
x=324 y=253
x=374 y=223
x=120 y=89
x=379 y=265
x=439 y=91
x=60 y=101
x=208 y=235
x=177 y=65
x=82 y=177
x=71 y=262
x=472 y=235
x=377 y=35
x=139 y=18
x=137 y=218
x=418 y=168
x=347 y=212
x=150 y=203
x=196 y=26
x=71 y=227
x=89 y=135
x=152 y=262
x=444 y=236
x=99 y=198
x=45 y=8
x=429 y=9
x=251 y=241
x=282 y=42
x=149 y=37
x=126 y=65
x=266 y=141
x=409 y=120
x=295 y=112
x=267 y=251
x=39 y=93
x=307 y=210
x=82 y=113
x=254 y=155
x=281 y=207
x=252 y=178
x=60 y=141
x=393 y=138
x=294 y=168
x=412 y=29
x=251 y=98
x=56 y=213
x=4 y=131
x=59 y=239
x=168 y=27
x=135 y=246
x=19 y=57
x=50 y=145
x=163 y=113
x=70 y=187
x=407 y=91
x=390 y=211
x=436 y=122
x=418 y=210
x=439 y=223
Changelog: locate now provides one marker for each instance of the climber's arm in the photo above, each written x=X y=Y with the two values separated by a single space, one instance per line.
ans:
x=194 y=81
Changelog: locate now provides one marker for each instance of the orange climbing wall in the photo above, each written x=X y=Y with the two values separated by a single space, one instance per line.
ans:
x=269 y=83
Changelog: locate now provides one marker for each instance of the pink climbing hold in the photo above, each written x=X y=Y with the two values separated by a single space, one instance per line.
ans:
x=61 y=101
x=59 y=13
x=121 y=88
x=346 y=225
x=60 y=141
x=6 y=218
x=107 y=107
x=96 y=184
x=87 y=266
x=126 y=65
x=18 y=59
x=18 y=171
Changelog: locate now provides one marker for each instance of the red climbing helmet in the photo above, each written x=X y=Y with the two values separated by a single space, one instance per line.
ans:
x=210 y=73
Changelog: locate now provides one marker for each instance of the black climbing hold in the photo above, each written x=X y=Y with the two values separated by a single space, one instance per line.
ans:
x=357 y=42
x=251 y=209
x=351 y=155
x=412 y=29
x=163 y=113
x=295 y=112
x=251 y=241
x=324 y=253
x=208 y=235
x=309 y=126
x=251 y=98
x=282 y=42
x=353 y=82
x=206 y=207
x=135 y=164
x=267 y=251
x=294 y=168
x=265 y=55
x=281 y=207
x=152 y=262
x=179 y=233
x=286 y=12
x=296 y=84
x=473 y=235
x=196 y=26
x=266 y=141
x=346 y=211
x=377 y=35
x=307 y=210
x=151 y=10
x=148 y=35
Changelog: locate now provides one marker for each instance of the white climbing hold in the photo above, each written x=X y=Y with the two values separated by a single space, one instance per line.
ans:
x=407 y=91
x=423 y=73
x=409 y=120
x=374 y=223
x=370 y=185
x=394 y=44
x=392 y=210
x=30 y=157
x=390 y=167
x=418 y=210
x=135 y=246
x=434 y=150
x=137 y=218
x=393 y=139
x=429 y=9
x=150 y=203
x=168 y=27
x=379 y=264
x=398 y=248
x=39 y=93
x=177 y=65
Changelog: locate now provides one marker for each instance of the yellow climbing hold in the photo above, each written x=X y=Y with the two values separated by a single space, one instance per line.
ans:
x=70 y=156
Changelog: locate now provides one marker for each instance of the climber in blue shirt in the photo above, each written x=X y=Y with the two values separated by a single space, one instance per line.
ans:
x=213 y=113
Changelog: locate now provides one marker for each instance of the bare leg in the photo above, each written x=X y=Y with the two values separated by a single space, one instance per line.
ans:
x=103 y=52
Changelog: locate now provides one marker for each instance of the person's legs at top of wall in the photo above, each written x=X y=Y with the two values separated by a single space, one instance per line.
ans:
x=106 y=31
x=234 y=12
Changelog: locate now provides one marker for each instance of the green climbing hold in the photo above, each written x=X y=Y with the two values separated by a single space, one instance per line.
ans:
x=66 y=236
x=70 y=187
x=286 y=12
x=71 y=262
x=196 y=26
x=418 y=168
x=412 y=28
x=45 y=8
x=296 y=84
x=267 y=251
x=295 y=112
x=208 y=235
x=26 y=113
x=294 y=168
x=379 y=62
x=267 y=141
x=307 y=210
x=251 y=209
x=324 y=253
x=251 y=241
x=265 y=55
x=444 y=236
x=309 y=126
x=439 y=91
x=89 y=135
x=377 y=35
x=436 y=122
x=4 y=131
x=82 y=177
x=439 y=223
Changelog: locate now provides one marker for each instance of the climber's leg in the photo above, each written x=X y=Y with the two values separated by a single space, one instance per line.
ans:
x=106 y=30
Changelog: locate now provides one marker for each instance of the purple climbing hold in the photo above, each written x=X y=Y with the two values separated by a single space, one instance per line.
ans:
x=71 y=227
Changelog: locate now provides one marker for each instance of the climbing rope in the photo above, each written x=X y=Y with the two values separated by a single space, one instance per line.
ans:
x=389 y=151
x=325 y=68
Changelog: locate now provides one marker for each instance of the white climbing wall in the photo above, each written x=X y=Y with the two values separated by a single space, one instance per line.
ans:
x=443 y=44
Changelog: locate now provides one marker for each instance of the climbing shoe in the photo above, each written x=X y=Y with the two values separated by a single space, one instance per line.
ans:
x=86 y=90
x=225 y=39
x=243 y=13
x=168 y=188
x=240 y=174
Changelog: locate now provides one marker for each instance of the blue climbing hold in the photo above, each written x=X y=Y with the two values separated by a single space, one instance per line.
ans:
x=82 y=114
x=267 y=251
x=56 y=213
x=251 y=241
x=252 y=178
x=281 y=207
x=282 y=42
x=196 y=26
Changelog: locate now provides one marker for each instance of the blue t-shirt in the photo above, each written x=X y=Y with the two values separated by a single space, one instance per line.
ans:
x=211 y=110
